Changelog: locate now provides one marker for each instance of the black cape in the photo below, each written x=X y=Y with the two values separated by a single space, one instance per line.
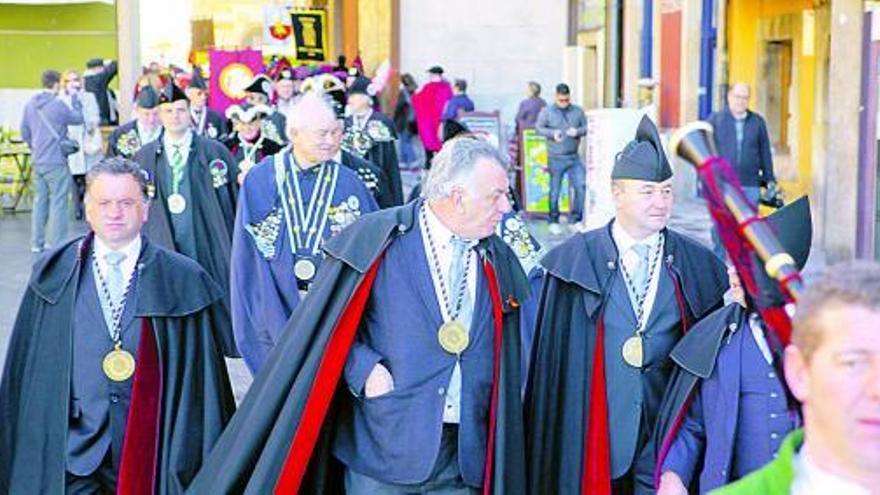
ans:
x=382 y=151
x=213 y=211
x=181 y=398
x=256 y=453
x=373 y=177
x=558 y=396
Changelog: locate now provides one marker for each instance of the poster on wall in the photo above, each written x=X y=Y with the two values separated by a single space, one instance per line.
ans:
x=485 y=124
x=536 y=177
x=309 y=34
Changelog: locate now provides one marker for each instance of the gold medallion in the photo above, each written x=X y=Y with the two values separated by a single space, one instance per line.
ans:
x=118 y=364
x=453 y=337
x=633 y=353
x=304 y=269
x=176 y=203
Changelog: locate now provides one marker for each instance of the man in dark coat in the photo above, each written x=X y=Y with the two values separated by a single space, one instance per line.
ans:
x=259 y=92
x=615 y=302
x=290 y=204
x=96 y=79
x=113 y=381
x=128 y=138
x=246 y=142
x=318 y=395
x=726 y=411
x=205 y=122
x=193 y=210
x=370 y=135
x=741 y=138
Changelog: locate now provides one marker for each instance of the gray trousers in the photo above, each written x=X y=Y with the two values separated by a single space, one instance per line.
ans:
x=445 y=479
x=50 y=206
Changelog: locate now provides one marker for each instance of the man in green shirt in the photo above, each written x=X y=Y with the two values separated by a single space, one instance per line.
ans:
x=833 y=368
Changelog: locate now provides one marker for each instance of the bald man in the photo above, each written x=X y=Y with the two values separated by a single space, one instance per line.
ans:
x=741 y=137
x=289 y=204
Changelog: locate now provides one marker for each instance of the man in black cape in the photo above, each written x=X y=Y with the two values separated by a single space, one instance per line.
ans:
x=128 y=138
x=370 y=135
x=727 y=411
x=193 y=208
x=283 y=436
x=205 y=121
x=70 y=422
x=615 y=301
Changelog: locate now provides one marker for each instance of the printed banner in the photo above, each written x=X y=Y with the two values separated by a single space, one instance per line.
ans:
x=536 y=176
x=231 y=72
x=310 y=34
x=277 y=31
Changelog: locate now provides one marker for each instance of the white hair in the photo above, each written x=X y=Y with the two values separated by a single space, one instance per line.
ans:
x=308 y=108
x=455 y=162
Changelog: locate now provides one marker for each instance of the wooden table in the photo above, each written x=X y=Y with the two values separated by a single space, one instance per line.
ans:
x=20 y=182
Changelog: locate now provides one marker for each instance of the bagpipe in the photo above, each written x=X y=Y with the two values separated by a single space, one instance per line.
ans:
x=749 y=240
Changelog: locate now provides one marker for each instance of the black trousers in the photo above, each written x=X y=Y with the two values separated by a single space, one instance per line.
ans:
x=101 y=482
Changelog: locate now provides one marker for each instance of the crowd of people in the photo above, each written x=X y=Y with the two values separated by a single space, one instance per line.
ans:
x=420 y=346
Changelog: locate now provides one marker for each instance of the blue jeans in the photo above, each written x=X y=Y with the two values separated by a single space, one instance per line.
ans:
x=753 y=194
x=50 y=206
x=571 y=165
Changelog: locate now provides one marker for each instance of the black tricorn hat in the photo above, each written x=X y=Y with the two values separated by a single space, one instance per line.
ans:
x=261 y=84
x=147 y=98
x=794 y=229
x=171 y=93
x=197 y=80
x=361 y=85
x=643 y=158
x=436 y=70
x=453 y=128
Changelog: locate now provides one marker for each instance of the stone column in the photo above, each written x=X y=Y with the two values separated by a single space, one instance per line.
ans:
x=841 y=173
x=128 y=40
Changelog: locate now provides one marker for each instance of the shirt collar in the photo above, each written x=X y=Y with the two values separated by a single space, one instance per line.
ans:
x=132 y=250
x=184 y=142
x=624 y=241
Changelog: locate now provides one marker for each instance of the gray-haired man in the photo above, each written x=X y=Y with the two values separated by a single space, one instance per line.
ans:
x=415 y=309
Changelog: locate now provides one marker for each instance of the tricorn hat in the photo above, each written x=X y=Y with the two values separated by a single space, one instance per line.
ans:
x=171 y=93
x=643 y=158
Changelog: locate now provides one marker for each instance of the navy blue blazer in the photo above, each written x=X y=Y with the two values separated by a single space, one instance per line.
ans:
x=754 y=163
x=396 y=437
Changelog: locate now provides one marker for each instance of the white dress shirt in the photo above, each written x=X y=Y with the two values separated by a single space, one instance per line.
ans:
x=810 y=479
x=132 y=252
x=629 y=259
x=442 y=237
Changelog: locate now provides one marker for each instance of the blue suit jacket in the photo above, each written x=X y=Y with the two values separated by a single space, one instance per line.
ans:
x=395 y=437
x=708 y=430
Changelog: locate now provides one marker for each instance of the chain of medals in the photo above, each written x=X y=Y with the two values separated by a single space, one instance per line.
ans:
x=250 y=150
x=452 y=334
x=118 y=364
x=633 y=347
x=306 y=224
x=176 y=201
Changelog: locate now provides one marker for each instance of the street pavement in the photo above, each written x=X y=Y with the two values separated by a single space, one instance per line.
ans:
x=689 y=216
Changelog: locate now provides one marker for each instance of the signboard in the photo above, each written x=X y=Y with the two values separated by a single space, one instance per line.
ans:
x=608 y=132
x=485 y=124
x=310 y=34
x=277 y=31
x=536 y=177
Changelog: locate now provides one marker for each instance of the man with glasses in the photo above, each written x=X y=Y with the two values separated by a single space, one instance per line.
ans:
x=564 y=124
x=741 y=138
x=290 y=203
